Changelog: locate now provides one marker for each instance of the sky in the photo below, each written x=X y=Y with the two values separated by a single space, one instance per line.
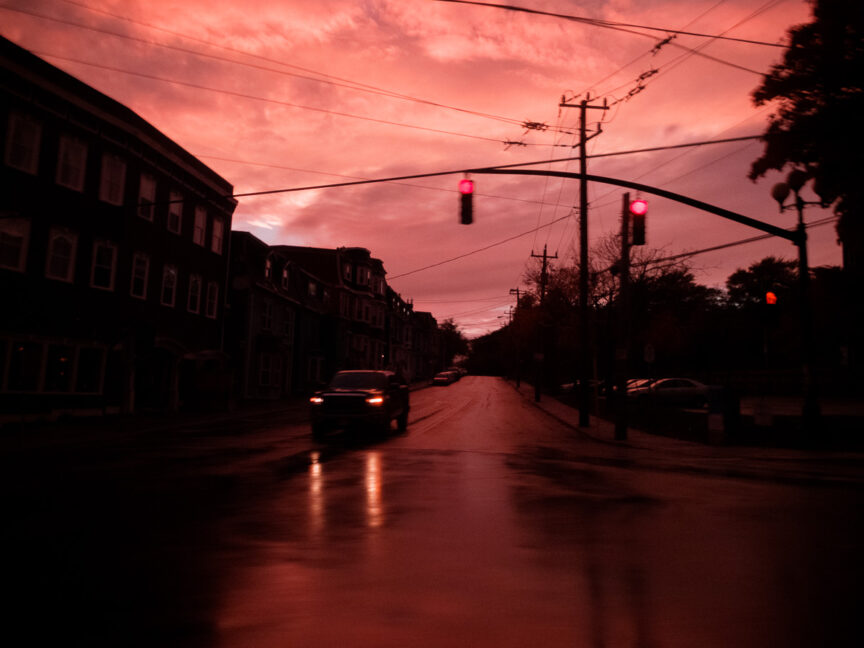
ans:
x=291 y=94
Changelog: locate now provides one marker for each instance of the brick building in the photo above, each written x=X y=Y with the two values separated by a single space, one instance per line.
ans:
x=113 y=254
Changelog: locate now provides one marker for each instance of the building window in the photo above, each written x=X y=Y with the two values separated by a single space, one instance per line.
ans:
x=175 y=212
x=269 y=370
x=169 y=285
x=288 y=324
x=266 y=316
x=363 y=276
x=22 y=143
x=212 y=299
x=104 y=260
x=286 y=278
x=268 y=269
x=200 y=226
x=113 y=179
x=140 y=272
x=346 y=271
x=194 y=302
x=14 y=236
x=146 y=196
x=58 y=368
x=60 y=264
x=313 y=289
x=218 y=235
x=71 y=163
x=25 y=366
x=89 y=370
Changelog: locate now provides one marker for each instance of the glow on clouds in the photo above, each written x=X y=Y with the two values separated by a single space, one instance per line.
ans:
x=485 y=60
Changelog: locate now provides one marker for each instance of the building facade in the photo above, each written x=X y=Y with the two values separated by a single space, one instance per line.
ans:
x=113 y=254
x=300 y=314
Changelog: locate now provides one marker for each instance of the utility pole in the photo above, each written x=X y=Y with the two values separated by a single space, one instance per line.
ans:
x=584 y=311
x=542 y=328
x=516 y=334
x=543 y=273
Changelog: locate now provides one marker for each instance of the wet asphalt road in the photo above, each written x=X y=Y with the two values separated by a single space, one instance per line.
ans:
x=487 y=524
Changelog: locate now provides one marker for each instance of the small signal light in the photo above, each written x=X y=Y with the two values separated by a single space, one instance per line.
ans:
x=770 y=298
x=466 y=189
x=639 y=207
x=638 y=210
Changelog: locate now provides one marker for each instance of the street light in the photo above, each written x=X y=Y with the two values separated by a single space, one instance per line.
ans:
x=795 y=181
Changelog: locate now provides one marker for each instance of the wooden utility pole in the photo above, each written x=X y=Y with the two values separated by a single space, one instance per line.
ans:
x=544 y=275
x=542 y=328
x=516 y=333
x=584 y=311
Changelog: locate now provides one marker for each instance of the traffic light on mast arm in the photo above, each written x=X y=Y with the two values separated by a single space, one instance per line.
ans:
x=638 y=211
x=466 y=191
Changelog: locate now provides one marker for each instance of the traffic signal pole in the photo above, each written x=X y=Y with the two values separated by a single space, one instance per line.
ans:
x=622 y=348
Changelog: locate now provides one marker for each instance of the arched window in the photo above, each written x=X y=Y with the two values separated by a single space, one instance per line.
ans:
x=61 y=255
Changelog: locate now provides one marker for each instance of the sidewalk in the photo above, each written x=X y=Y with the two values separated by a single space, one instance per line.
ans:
x=806 y=467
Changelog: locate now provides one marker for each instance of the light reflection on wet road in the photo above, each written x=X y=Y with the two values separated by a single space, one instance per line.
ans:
x=479 y=528
x=487 y=524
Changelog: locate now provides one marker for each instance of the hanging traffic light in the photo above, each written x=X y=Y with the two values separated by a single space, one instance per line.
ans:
x=638 y=210
x=466 y=189
x=770 y=298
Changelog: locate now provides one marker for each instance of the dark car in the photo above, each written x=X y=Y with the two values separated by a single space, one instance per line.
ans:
x=444 y=378
x=674 y=392
x=362 y=399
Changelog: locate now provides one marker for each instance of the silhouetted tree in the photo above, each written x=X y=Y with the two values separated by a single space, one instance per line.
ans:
x=819 y=90
x=454 y=343
x=748 y=287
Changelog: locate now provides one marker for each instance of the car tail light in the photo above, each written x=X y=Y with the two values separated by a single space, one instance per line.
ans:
x=375 y=400
x=316 y=400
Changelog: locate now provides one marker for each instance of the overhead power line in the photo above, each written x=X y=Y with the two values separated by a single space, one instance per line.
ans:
x=623 y=27
x=242 y=95
x=483 y=249
x=752 y=239
x=609 y=23
x=342 y=175
x=433 y=174
x=320 y=78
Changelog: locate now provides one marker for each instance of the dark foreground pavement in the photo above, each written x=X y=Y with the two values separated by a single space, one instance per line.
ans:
x=495 y=521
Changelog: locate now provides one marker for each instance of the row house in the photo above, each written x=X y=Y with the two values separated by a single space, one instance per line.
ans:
x=426 y=351
x=113 y=254
x=399 y=333
x=299 y=314
x=278 y=321
x=354 y=329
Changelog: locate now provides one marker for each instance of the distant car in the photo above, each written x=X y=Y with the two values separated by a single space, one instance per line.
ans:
x=444 y=378
x=674 y=392
x=360 y=399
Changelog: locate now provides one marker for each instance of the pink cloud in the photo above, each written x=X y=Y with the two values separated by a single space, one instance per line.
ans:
x=489 y=61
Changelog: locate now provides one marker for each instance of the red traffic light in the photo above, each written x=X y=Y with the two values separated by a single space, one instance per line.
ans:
x=639 y=207
x=466 y=201
x=770 y=298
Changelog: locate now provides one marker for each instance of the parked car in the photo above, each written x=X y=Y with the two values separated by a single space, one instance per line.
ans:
x=675 y=392
x=444 y=378
x=637 y=386
x=360 y=400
